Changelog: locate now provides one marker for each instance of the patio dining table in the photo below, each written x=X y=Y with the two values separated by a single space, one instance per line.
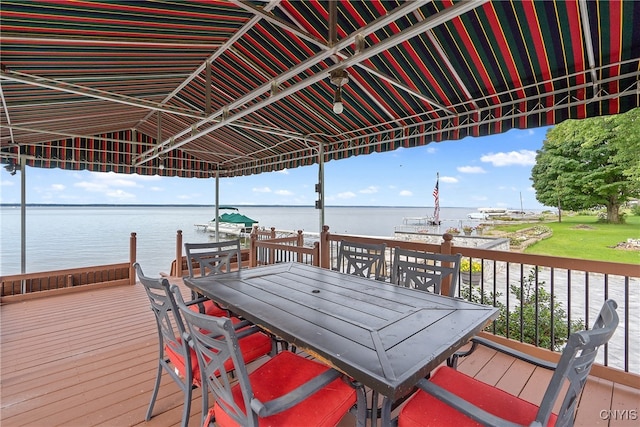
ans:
x=384 y=336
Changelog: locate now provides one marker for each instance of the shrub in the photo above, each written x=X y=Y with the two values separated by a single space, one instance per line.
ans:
x=530 y=298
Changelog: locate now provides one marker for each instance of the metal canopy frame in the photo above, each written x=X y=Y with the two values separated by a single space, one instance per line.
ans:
x=231 y=88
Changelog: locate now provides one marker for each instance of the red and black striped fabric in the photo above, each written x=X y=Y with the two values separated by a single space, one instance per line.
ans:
x=242 y=88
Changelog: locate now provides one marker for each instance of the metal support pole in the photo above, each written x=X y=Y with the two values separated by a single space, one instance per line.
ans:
x=217 y=204
x=320 y=186
x=23 y=219
x=23 y=215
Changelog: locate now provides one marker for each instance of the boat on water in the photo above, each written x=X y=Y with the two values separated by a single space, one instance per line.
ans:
x=420 y=220
x=488 y=213
x=231 y=222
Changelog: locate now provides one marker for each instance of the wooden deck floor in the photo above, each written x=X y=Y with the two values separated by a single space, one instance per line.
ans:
x=89 y=359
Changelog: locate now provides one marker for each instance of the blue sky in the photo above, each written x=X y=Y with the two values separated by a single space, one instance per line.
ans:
x=492 y=171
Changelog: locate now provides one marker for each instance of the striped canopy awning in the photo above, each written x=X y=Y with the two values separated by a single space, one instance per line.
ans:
x=191 y=88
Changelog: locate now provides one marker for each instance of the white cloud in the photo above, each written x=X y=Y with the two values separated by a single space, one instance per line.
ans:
x=431 y=150
x=119 y=180
x=157 y=189
x=284 y=193
x=449 y=179
x=470 y=169
x=261 y=190
x=346 y=195
x=520 y=158
x=405 y=193
x=91 y=186
x=6 y=183
x=369 y=190
x=108 y=183
x=119 y=194
x=57 y=187
x=284 y=171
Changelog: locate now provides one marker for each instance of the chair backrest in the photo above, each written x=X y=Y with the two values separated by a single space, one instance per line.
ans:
x=213 y=257
x=361 y=259
x=215 y=342
x=168 y=319
x=425 y=270
x=574 y=366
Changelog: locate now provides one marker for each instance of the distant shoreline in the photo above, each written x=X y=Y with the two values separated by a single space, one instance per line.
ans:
x=102 y=205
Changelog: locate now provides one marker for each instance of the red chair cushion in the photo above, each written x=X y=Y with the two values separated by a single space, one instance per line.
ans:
x=423 y=409
x=210 y=309
x=283 y=373
x=252 y=347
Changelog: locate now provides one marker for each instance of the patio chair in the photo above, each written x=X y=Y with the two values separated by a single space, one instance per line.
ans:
x=174 y=355
x=453 y=398
x=287 y=390
x=361 y=259
x=212 y=258
x=424 y=270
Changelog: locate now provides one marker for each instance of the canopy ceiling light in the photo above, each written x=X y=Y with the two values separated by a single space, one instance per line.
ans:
x=12 y=168
x=338 y=78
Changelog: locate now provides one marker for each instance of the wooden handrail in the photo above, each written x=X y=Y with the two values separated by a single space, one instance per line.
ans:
x=292 y=245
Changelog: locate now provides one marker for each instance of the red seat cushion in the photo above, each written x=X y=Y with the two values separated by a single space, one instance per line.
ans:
x=252 y=347
x=423 y=409
x=283 y=373
x=210 y=309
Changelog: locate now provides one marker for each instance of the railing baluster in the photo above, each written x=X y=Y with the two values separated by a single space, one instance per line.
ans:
x=537 y=312
x=552 y=286
x=521 y=302
x=626 y=324
x=586 y=299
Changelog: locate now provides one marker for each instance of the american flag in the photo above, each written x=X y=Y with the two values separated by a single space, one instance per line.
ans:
x=436 y=196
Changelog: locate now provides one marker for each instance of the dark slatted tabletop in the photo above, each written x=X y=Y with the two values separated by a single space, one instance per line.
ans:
x=385 y=336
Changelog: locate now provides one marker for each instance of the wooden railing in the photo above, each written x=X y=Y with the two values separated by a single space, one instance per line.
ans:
x=281 y=249
x=20 y=287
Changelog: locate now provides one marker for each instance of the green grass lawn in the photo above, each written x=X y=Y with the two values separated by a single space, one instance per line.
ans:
x=583 y=237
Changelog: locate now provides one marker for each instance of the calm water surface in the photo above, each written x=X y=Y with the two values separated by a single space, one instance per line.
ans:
x=69 y=237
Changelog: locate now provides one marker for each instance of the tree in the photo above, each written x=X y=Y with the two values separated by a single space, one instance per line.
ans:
x=588 y=163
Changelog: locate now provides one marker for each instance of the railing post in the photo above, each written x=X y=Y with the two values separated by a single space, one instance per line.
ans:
x=132 y=258
x=253 y=250
x=445 y=248
x=179 y=253
x=299 y=243
x=325 y=258
x=316 y=254
x=273 y=232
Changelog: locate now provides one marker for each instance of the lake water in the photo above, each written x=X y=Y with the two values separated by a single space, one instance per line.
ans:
x=69 y=237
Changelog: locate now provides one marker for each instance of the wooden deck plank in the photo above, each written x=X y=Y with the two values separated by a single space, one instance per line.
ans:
x=89 y=359
x=625 y=404
x=595 y=398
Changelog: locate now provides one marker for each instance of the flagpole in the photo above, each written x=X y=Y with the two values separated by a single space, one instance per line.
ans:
x=436 y=197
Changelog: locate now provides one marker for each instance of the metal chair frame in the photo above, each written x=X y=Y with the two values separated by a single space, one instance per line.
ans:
x=425 y=270
x=361 y=259
x=213 y=257
x=168 y=321
x=573 y=367
x=215 y=342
